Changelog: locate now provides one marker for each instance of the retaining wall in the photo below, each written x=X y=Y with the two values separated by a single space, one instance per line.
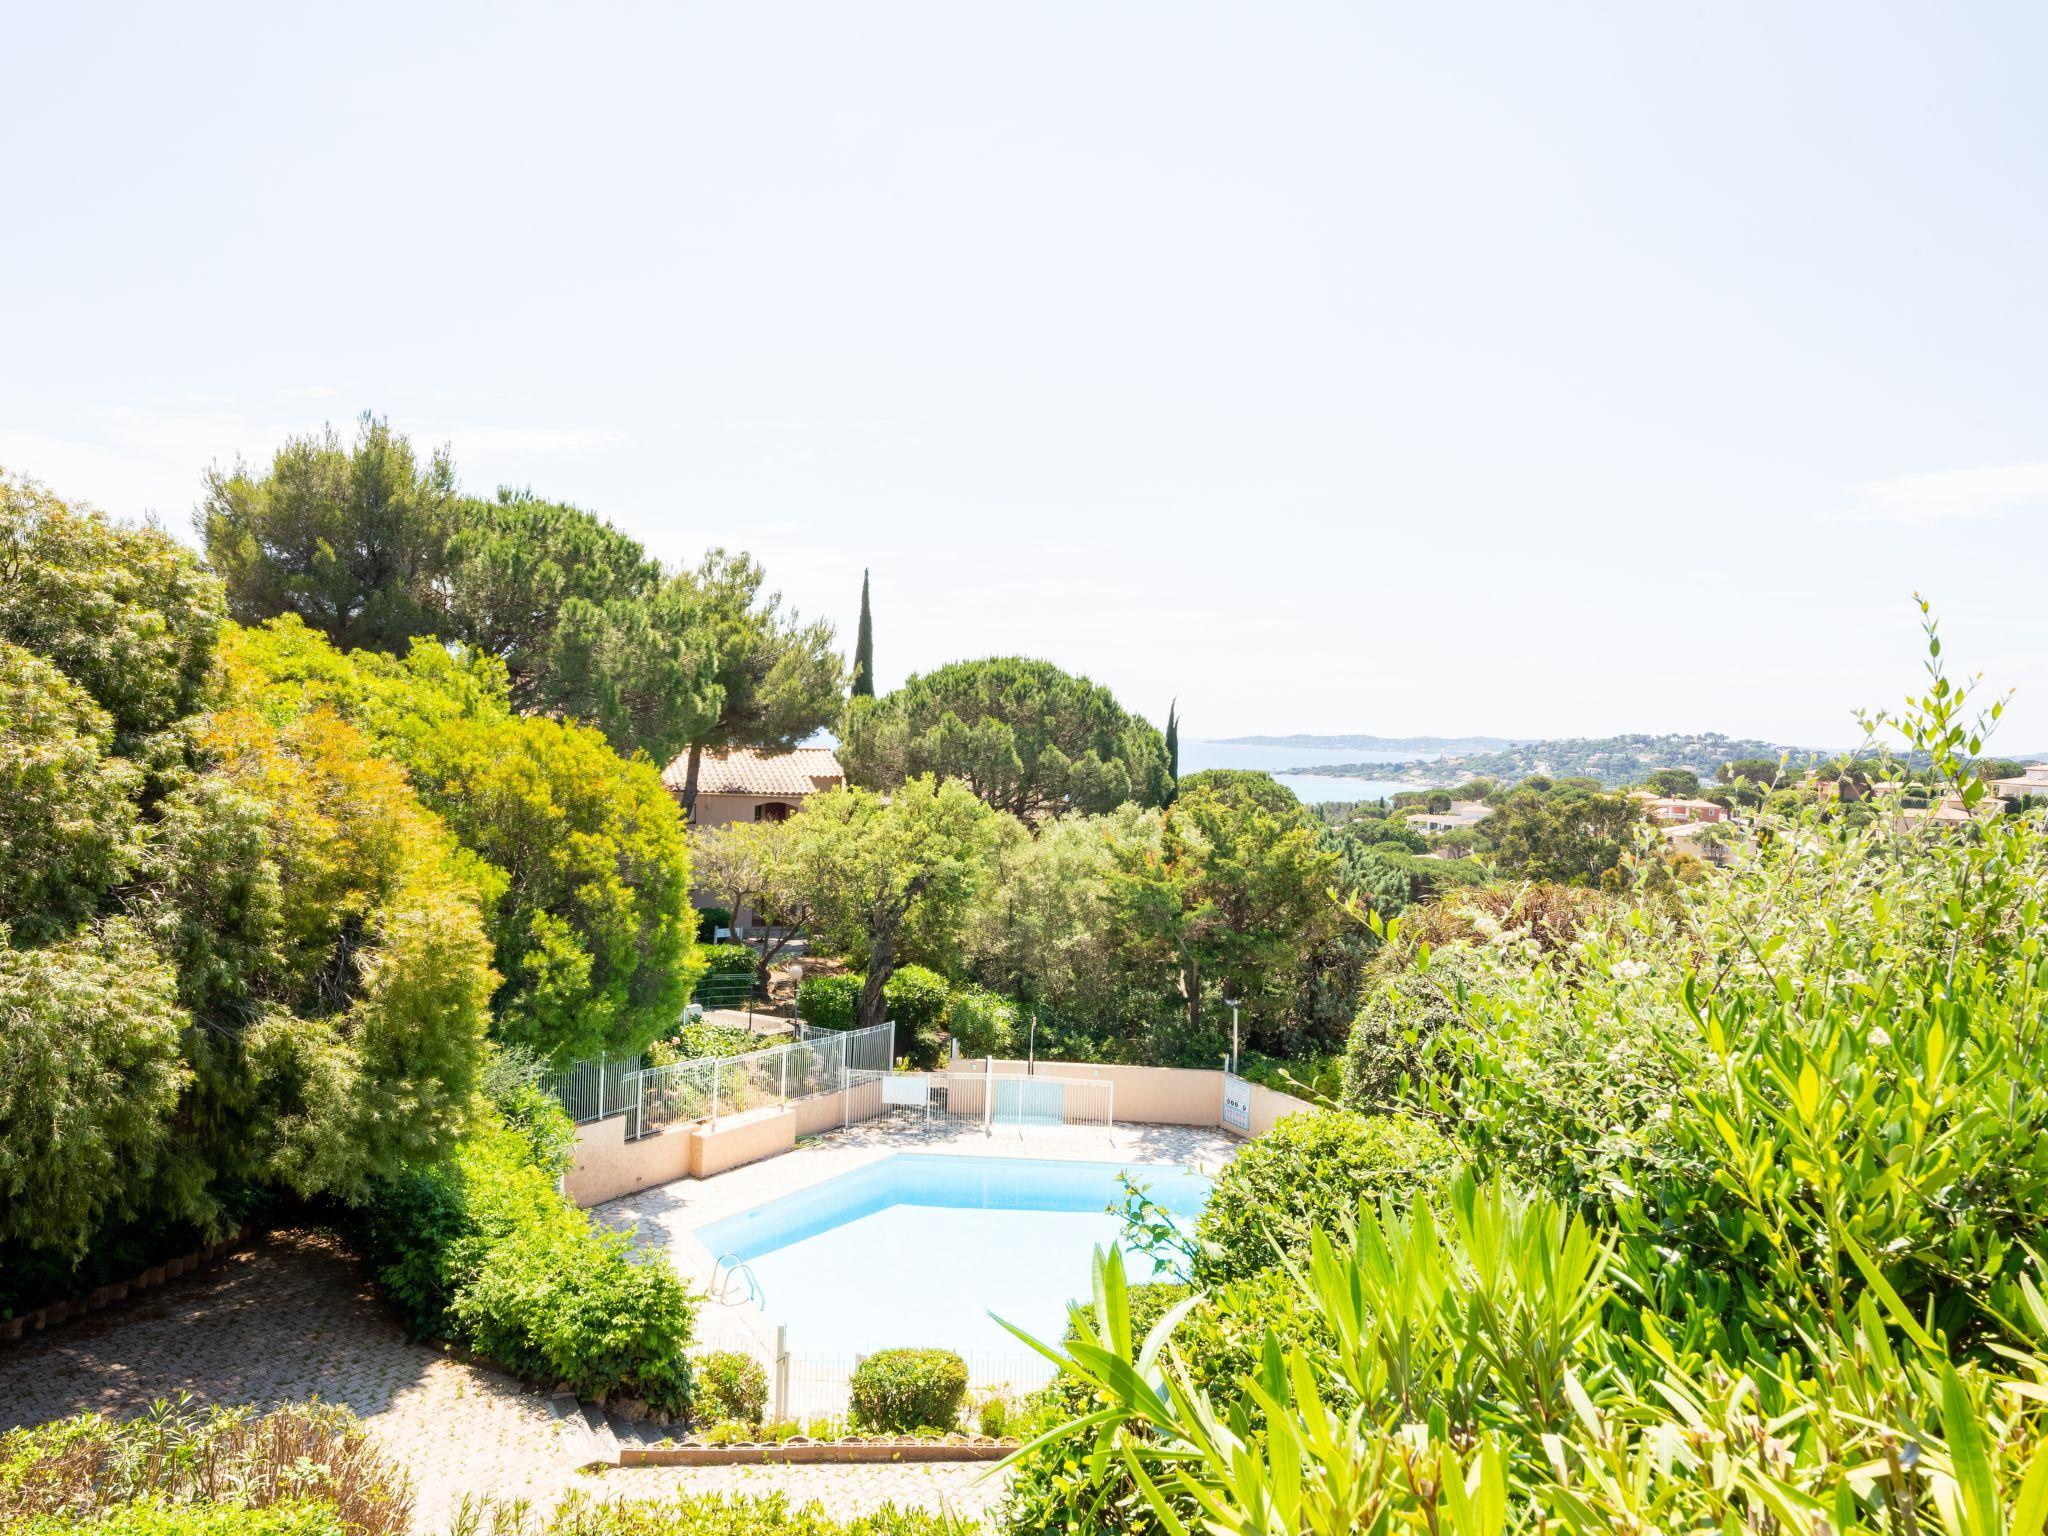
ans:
x=608 y=1166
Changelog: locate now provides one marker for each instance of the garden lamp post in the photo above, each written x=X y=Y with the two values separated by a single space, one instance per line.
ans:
x=1233 y=1031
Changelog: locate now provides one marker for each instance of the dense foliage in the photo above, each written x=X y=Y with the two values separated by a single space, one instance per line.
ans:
x=1026 y=737
x=239 y=953
x=899 y=1390
x=581 y=851
x=1749 y=1241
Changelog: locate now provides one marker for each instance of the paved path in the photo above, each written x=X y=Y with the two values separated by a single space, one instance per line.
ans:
x=290 y=1318
x=295 y=1317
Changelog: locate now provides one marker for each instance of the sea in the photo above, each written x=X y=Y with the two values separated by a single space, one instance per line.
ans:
x=1312 y=788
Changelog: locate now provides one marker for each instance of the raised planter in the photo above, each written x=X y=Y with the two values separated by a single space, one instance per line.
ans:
x=801 y=1452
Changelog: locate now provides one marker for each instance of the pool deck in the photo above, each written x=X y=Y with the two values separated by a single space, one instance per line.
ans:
x=664 y=1217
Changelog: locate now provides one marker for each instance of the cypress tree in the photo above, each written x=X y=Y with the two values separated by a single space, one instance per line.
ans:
x=1173 y=740
x=864 y=647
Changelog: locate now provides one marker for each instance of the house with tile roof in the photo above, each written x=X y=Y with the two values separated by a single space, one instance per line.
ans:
x=745 y=785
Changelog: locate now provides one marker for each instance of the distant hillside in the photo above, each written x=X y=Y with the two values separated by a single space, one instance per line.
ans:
x=1376 y=743
x=1613 y=760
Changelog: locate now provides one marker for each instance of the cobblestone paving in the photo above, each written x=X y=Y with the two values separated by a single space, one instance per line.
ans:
x=291 y=1318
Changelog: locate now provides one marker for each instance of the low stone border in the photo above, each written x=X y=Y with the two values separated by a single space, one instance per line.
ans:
x=13 y=1329
x=814 y=1452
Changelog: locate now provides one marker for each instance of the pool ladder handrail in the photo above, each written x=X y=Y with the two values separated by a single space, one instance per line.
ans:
x=728 y=1268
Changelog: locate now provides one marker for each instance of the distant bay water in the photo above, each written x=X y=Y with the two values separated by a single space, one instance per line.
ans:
x=1314 y=788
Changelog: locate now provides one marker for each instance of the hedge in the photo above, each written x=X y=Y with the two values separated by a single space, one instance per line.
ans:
x=899 y=1390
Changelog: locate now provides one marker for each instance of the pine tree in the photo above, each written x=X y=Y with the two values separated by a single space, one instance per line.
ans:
x=864 y=647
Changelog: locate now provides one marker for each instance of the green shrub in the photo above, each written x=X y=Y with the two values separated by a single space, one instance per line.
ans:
x=486 y=1251
x=728 y=959
x=830 y=1002
x=694 y=1041
x=916 y=1000
x=981 y=1022
x=731 y=1385
x=308 y=1469
x=899 y=1390
x=1310 y=1171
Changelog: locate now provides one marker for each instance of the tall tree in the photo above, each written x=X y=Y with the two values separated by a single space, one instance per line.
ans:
x=885 y=874
x=1027 y=737
x=583 y=621
x=352 y=540
x=864 y=647
x=1173 y=740
x=779 y=679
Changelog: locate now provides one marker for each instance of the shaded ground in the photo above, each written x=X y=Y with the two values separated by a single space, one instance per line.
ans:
x=294 y=1317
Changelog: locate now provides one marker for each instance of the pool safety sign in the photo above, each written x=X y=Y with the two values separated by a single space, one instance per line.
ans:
x=1237 y=1103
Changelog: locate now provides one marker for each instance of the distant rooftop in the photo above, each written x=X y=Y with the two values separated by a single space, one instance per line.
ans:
x=804 y=771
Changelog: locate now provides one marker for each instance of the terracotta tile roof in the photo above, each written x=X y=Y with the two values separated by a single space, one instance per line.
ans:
x=747 y=772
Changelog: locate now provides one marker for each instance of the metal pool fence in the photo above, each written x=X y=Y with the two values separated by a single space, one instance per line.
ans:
x=652 y=1098
x=1004 y=1100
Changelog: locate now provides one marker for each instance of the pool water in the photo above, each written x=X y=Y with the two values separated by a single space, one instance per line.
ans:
x=920 y=1249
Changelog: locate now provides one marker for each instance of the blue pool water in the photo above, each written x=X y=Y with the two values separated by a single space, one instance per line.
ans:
x=919 y=1249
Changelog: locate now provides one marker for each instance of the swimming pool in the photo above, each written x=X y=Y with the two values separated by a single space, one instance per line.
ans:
x=920 y=1248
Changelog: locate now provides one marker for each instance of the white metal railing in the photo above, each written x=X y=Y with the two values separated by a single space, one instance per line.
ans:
x=709 y=1087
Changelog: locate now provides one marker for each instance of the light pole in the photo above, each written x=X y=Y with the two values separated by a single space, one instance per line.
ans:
x=1233 y=1032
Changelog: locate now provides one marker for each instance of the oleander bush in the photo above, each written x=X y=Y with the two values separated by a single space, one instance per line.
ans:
x=304 y=1470
x=830 y=1002
x=900 y=1390
x=730 y=1385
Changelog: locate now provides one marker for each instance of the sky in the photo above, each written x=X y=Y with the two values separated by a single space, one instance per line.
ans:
x=1504 y=369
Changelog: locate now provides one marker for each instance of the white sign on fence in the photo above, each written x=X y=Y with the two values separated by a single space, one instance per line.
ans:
x=1237 y=1103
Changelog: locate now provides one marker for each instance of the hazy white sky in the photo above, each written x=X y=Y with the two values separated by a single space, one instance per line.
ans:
x=1523 y=369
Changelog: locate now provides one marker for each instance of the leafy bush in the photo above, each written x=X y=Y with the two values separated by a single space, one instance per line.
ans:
x=917 y=1001
x=1310 y=1171
x=709 y=921
x=486 y=1250
x=304 y=1470
x=901 y=1390
x=698 y=1040
x=981 y=1022
x=830 y=1002
x=728 y=959
x=1497 y=1360
x=731 y=1385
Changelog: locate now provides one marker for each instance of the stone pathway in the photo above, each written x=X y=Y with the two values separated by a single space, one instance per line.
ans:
x=295 y=1317
x=290 y=1318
